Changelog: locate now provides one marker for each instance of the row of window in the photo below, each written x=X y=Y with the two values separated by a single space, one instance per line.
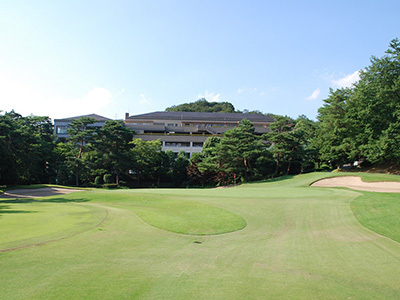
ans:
x=182 y=144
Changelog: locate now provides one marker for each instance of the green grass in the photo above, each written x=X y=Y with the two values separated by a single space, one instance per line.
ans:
x=34 y=223
x=379 y=212
x=278 y=239
x=372 y=177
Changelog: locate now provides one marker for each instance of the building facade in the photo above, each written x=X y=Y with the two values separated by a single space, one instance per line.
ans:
x=187 y=131
x=177 y=131
x=61 y=125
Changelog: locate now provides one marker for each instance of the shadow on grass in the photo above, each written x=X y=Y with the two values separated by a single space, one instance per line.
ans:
x=275 y=179
x=5 y=209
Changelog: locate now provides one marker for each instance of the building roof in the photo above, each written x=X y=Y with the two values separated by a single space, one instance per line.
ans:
x=202 y=116
x=94 y=116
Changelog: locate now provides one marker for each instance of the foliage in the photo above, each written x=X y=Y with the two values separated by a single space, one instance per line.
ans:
x=179 y=169
x=363 y=122
x=149 y=163
x=375 y=106
x=334 y=139
x=202 y=105
x=98 y=180
x=108 y=178
x=281 y=139
x=233 y=157
x=26 y=149
x=80 y=137
x=113 y=147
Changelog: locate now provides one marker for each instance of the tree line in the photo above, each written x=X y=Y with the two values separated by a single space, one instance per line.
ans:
x=111 y=156
x=361 y=123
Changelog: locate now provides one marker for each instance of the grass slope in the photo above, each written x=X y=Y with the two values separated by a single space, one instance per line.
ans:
x=300 y=242
x=379 y=212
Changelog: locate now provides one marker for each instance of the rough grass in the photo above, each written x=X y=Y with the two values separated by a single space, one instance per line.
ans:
x=379 y=212
x=300 y=242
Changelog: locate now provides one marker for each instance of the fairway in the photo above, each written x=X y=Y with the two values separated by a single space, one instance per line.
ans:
x=279 y=239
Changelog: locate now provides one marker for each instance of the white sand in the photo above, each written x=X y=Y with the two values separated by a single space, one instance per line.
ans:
x=355 y=183
x=36 y=193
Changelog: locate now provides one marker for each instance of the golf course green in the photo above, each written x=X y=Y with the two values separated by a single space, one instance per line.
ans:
x=278 y=239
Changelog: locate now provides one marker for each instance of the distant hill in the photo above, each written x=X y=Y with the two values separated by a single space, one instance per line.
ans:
x=202 y=105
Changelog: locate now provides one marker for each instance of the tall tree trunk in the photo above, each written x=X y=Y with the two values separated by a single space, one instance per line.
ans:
x=77 y=164
x=77 y=174
x=245 y=169
x=289 y=165
x=290 y=161
x=277 y=164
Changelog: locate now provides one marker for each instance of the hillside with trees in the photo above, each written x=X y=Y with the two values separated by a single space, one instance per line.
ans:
x=202 y=105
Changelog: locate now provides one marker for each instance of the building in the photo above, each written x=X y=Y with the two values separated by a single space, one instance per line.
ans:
x=61 y=125
x=187 y=131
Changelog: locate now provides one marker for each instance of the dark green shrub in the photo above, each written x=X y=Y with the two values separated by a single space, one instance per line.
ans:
x=108 y=178
x=110 y=185
x=98 y=180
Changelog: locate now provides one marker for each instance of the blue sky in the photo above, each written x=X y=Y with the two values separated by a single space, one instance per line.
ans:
x=69 y=58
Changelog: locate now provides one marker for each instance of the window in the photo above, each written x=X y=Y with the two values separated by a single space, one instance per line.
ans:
x=177 y=144
x=62 y=129
x=136 y=123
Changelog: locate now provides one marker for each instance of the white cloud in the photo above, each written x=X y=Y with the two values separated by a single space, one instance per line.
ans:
x=249 y=90
x=27 y=95
x=210 y=96
x=97 y=96
x=143 y=99
x=347 y=81
x=314 y=94
x=92 y=102
x=119 y=93
x=241 y=90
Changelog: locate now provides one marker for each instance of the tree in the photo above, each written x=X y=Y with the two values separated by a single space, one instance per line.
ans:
x=202 y=105
x=306 y=130
x=80 y=135
x=375 y=106
x=148 y=162
x=204 y=169
x=239 y=148
x=8 y=164
x=335 y=137
x=281 y=139
x=26 y=148
x=179 y=170
x=113 y=145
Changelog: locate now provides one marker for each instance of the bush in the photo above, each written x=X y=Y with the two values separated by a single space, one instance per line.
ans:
x=108 y=178
x=98 y=180
x=110 y=185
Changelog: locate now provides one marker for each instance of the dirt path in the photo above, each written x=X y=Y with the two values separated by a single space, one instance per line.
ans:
x=355 y=183
x=36 y=193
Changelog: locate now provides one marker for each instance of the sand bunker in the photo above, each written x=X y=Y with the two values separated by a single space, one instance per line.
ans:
x=355 y=183
x=36 y=193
